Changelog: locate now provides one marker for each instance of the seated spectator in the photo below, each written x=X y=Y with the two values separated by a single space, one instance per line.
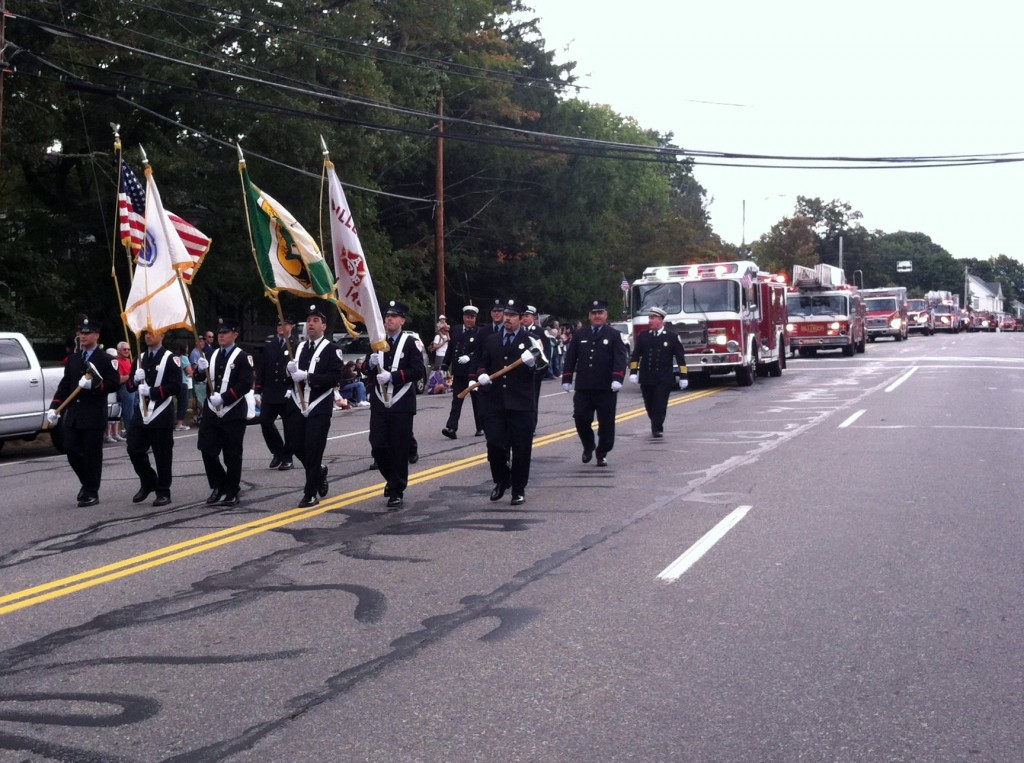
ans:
x=437 y=383
x=352 y=387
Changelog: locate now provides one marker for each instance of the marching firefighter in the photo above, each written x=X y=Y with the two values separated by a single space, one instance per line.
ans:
x=651 y=365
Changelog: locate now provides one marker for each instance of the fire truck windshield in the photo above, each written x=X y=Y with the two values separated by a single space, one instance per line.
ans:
x=711 y=296
x=667 y=296
x=881 y=303
x=817 y=304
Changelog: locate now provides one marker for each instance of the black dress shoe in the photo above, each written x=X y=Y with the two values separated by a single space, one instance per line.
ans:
x=88 y=500
x=286 y=464
x=449 y=433
x=324 y=487
x=499 y=491
x=230 y=500
x=414 y=457
x=395 y=501
x=587 y=455
x=602 y=461
x=518 y=499
x=162 y=500
x=275 y=462
x=308 y=500
x=142 y=495
x=479 y=433
x=215 y=496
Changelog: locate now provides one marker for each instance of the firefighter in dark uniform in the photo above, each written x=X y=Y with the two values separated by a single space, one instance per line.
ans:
x=222 y=430
x=530 y=326
x=651 y=365
x=94 y=374
x=462 y=361
x=392 y=377
x=597 y=356
x=156 y=376
x=272 y=383
x=315 y=374
x=511 y=408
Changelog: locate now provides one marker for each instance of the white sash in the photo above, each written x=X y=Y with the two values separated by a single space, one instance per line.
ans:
x=225 y=381
x=391 y=398
x=300 y=396
x=144 y=399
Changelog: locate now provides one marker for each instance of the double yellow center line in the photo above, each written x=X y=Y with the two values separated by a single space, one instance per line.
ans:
x=45 y=592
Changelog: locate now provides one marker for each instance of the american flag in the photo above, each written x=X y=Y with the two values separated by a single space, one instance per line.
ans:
x=131 y=205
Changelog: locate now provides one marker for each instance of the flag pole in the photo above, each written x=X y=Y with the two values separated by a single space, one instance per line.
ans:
x=113 y=244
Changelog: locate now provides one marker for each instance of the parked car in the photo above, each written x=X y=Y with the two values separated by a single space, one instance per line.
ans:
x=26 y=389
x=355 y=347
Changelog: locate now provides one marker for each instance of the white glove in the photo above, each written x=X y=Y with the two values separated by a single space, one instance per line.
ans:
x=376 y=359
x=483 y=380
x=52 y=417
x=683 y=383
x=566 y=387
x=293 y=366
x=383 y=377
x=140 y=375
x=634 y=379
x=203 y=363
x=85 y=382
x=298 y=375
x=216 y=401
x=144 y=389
x=616 y=386
x=463 y=358
x=528 y=359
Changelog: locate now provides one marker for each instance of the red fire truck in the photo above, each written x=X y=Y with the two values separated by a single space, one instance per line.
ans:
x=887 y=312
x=729 y=315
x=825 y=312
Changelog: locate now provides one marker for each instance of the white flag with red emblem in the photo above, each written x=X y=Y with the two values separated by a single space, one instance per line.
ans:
x=355 y=287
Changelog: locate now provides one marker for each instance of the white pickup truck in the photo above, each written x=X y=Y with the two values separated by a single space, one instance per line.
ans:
x=26 y=389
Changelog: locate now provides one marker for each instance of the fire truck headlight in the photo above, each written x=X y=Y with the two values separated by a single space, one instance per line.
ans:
x=732 y=346
x=835 y=325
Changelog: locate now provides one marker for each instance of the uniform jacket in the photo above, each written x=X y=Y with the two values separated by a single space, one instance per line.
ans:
x=326 y=375
x=654 y=355
x=596 y=361
x=273 y=381
x=515 y=390
x=169 y=388
x=409 y=370
x=239 y=381
x=89 y=408
x=463 y=342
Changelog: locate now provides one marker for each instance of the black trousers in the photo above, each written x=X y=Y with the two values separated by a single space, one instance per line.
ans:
x=390 y=441
x=509 y=446
x=269 y=412
x=141 y=439
x=656 y=402
x=217 y=437
x=459 y=383
x=585 y=404
x=85 y=455
x=306 y=437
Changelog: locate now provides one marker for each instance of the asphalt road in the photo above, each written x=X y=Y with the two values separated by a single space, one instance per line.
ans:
x=821 y=567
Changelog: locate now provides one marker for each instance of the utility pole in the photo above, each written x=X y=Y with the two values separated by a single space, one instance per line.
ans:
x=439 y=210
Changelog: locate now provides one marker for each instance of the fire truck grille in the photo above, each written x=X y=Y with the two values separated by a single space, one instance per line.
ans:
x=693 y=335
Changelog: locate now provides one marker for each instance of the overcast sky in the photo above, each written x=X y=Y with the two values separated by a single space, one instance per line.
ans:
x=896 y=78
